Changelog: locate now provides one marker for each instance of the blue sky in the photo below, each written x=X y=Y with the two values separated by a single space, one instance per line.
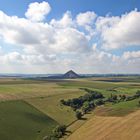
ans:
x=101 y=7
x=57 y=35
x=18 y=7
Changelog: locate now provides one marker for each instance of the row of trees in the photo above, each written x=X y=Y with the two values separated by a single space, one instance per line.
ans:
x=77 y=103
x=84 y=103
x=92 y=99
x=116 y=99
x=137 y=95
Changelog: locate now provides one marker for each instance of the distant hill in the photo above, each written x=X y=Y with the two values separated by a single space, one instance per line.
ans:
x=70 y=74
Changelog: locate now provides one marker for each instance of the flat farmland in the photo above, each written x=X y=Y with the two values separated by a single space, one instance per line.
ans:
x=37 y=104
x=21 y=121
x=12 y=90
x=52 y=107
x=109 y=128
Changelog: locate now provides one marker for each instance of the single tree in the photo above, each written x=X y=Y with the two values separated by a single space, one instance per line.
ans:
x=78 y=115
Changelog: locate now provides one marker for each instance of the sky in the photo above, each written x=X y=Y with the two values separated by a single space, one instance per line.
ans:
x=54 y=36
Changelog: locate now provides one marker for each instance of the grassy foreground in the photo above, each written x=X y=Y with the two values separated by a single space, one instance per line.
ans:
x=21 y=121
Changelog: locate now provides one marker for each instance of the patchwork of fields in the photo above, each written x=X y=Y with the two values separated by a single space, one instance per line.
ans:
x=30 y=109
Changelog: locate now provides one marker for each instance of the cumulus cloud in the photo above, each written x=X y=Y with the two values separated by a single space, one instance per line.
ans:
x=22 y=31
x=41 y=37
x=119 y=32
x=86 y=18
x=70 y=40
x=63 y=44
x=37 y=11
x=131 y=55
x=64 y=22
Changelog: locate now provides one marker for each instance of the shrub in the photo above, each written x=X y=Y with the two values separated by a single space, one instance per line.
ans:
x=129 y=98
x=85 y=107
x=122 y=97
x=92 y=105
x=138 y=93
x=62 y=102
x=78 y=115
x=139 y=103
x=59 y=131
x=99 y=102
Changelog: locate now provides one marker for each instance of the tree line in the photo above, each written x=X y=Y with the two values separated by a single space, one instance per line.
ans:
x=120 y=98
x=85 y=103
x=88 y=98
x=91 y=99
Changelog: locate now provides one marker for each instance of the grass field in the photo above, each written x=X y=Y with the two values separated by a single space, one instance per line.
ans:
x=119 y=109
x=31 y=89
x=97 y=84
x=21 y=121
x=34 y=105
x=51 y=106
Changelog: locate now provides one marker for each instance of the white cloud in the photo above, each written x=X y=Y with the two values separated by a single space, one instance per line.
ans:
x=22 y=31
x=60 y=45
x=119 y=32
x=41 y=37
x=131 y=55
x=70 y=40
x=86 y=18
x=37 y=11
x=64 y=22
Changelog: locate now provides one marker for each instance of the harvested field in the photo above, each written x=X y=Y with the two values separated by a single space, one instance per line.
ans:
x=110 y=128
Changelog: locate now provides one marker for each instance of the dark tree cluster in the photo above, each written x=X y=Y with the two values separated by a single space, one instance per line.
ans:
x=85 y=103
x=88 y=106
x=99 y=102
x=59 y=131
x=116 y=99
x=120 y=98
x=112 y=98
x=137 y=95
x=77 y=103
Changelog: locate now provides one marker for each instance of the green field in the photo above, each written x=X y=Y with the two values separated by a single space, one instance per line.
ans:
x=21 y=121
x=30 y=109
x=119 y=109
x=52 y=107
